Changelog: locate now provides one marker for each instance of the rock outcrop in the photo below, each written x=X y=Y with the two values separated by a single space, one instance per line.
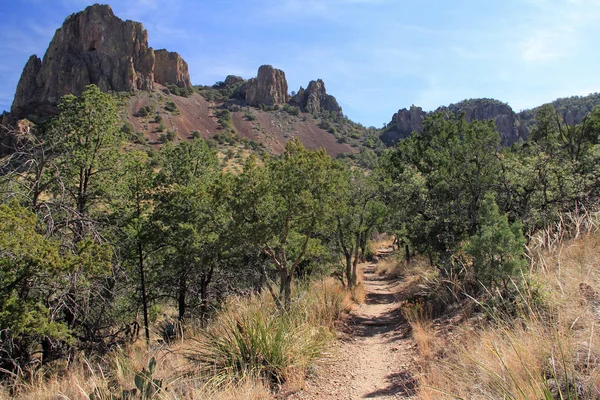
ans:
x=171 y=69
x=269 y=87
x=232 y=80
x=507 y=122
x=94 y=47
x=510 y=128
x=315 y=99
x=404 y=122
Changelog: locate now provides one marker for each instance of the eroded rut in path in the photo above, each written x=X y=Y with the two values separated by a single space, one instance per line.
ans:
x=374 y=359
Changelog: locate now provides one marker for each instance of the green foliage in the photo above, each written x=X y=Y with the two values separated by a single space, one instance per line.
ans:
x=171 y=136
x=291 y=199
x=172 y=107
x=145 y=384
x=191 y=220
x=264 y=107
x=254 y=338
x=497 y=248
x=90 y=140
x=196 y=135
x=158 y=118
x=292 y=110
x=29 y=263
x=144 y=111
x=439 y=179
x=226 y=137
x=224 y=119
x=178 y=91
x=248 y=116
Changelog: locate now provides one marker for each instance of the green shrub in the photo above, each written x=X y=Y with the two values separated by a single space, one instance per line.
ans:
x=128 y=130
x=251 y=337
x=196 y=135
x=158 y=119
x=248 y=116
x=292 y=110
x=144 y=111
x=224 y=119
x=498 y=248
x=160 y=127
x=274 y=107
x=172 y=107
x=171 y=136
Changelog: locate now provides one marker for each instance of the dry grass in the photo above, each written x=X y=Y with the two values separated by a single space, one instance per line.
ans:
x=304 y=332
x=358 y=294
x=551 y=350
x=418 y=316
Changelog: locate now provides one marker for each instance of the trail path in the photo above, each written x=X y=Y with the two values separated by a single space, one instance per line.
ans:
x=374 y=357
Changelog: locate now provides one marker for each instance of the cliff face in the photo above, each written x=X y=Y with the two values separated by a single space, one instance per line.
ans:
x=170 y=68
x=94 y=47
x=269 y=87
x=404 y=122
x=507 y=121
x=315 y=99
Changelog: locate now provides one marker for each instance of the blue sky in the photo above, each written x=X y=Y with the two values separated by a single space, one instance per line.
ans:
x=375 y=56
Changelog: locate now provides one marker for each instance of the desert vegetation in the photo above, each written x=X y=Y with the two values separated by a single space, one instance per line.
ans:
x=129 y=271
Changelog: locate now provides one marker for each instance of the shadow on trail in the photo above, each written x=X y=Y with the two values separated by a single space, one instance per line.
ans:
x=399 y=384
x=372 y=326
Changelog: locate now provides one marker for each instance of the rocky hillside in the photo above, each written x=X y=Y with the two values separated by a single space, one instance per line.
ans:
x=159 y=103
x=404 y=122
x=511 y=126
x=94 y=47
x=573 y=109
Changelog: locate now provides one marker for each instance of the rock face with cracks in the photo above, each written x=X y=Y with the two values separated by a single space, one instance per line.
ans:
x=314 y=99
x=269 y=87
x=94 y=47
x=508 y=124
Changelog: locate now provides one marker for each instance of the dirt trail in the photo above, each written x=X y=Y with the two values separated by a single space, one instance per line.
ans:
x=374 y=358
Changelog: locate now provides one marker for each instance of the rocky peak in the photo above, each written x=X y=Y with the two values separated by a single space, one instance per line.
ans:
x=171 y=69
x=315 y=99
x=404 y=122
x=507 y=122
x=93 y=47
x=232 y=80
x=269 y=87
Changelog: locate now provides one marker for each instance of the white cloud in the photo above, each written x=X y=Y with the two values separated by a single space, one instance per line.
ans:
x=556 y=29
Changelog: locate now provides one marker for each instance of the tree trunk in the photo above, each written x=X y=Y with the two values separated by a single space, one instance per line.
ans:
x=407 y=250
x=181 y=297
x=286 y=288
x=349 y=276
x=363 y=247
x=204 y=287
x=143 y=289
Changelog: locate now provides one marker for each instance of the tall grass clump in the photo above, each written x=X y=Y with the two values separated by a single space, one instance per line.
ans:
x=252 y=338
x=549 y=348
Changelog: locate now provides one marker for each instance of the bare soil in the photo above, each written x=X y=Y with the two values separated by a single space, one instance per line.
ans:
x=273 y=129
x=374 y=356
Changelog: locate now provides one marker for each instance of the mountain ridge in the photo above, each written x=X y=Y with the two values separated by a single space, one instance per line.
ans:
x=96 y=47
